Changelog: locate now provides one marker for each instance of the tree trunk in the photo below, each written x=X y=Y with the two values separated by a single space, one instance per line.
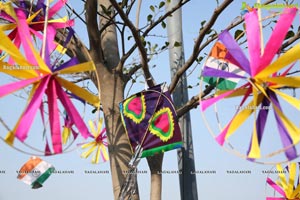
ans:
x=111 y=87
x=155 y=165
x=105 y=54
x=112 y=93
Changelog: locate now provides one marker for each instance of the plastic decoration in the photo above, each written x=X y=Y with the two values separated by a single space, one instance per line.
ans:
x=286 y=185
x=24 y=27
x=98 y=146
x=260 y=91
x=48 y=76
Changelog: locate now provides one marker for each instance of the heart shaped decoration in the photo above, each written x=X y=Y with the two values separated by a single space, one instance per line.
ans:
x=135 y=108
x=162 y=124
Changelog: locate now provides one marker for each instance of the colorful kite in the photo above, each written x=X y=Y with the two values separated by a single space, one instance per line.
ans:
x=47 y=80
x=35 y=172
x=286 y=185
x=150 y=121
x=99 y=143
x=261 y=89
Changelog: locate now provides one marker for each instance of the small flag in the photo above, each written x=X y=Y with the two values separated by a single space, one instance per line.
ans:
x=35 y=172
x=219 y=58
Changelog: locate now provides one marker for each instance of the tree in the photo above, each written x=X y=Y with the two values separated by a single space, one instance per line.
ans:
x=108 y=23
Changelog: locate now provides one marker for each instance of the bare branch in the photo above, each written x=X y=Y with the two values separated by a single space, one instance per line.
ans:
x=150 y=28
x=131 y=72
x=93 y=31
x=76 y=13
x=292 y=73
x=291 y=41
x=139 y=43
x=198 y=42
x=193 y=102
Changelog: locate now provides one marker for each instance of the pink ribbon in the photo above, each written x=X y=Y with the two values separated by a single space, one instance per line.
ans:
x=277 y=37
x=72 y=111
x=54 y=117
x=31 y=110
x=12 y=87
x=276 y=187
x=253 y=38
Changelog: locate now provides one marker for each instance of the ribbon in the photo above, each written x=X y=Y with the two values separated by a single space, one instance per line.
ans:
x=277 y=37
x=287 y=130
x=264 y=83
x=253 y=39
x=98 y=145
x=30 y=112
x=235 y=50
x=208 y=71
x=72 y=111
x=54 y=117
x=287 y=186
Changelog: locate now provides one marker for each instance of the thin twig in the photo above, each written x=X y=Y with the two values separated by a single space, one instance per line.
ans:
x=139 y=43
x=198 y=42
x=151 y=27
x=291 y=41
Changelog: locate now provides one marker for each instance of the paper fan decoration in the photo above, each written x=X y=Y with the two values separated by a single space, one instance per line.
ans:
x=285 y=185
x=35 y=172
x=97 y=147
x=150 y=121
x=46 y=77
x=253 y=96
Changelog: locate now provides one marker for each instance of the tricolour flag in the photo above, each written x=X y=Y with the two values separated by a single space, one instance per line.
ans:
x=219 y=58
x=35 y=172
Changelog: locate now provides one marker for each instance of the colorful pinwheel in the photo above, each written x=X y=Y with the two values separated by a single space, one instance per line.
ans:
x=286 y=185
x=263 y=81
x=99 y=143
x=26 y=23
x=46 y=80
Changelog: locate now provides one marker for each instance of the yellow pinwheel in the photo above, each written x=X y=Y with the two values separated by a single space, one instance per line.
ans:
x=97 y=147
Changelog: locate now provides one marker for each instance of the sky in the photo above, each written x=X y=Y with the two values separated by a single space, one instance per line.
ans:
x=74 y=179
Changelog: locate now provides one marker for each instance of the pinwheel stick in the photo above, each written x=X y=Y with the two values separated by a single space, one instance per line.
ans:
x=45 y=29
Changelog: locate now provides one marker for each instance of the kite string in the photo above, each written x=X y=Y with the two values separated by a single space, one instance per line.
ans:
x=156 y=106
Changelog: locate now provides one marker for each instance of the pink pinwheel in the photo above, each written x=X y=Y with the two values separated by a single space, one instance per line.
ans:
x=265 y=77
x=44 y=77
x=28 y=25
x=51 y=84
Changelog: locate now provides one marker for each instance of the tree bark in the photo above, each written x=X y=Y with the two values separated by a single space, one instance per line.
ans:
x=105 y=54
x=155 y=165
x=111 y=87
